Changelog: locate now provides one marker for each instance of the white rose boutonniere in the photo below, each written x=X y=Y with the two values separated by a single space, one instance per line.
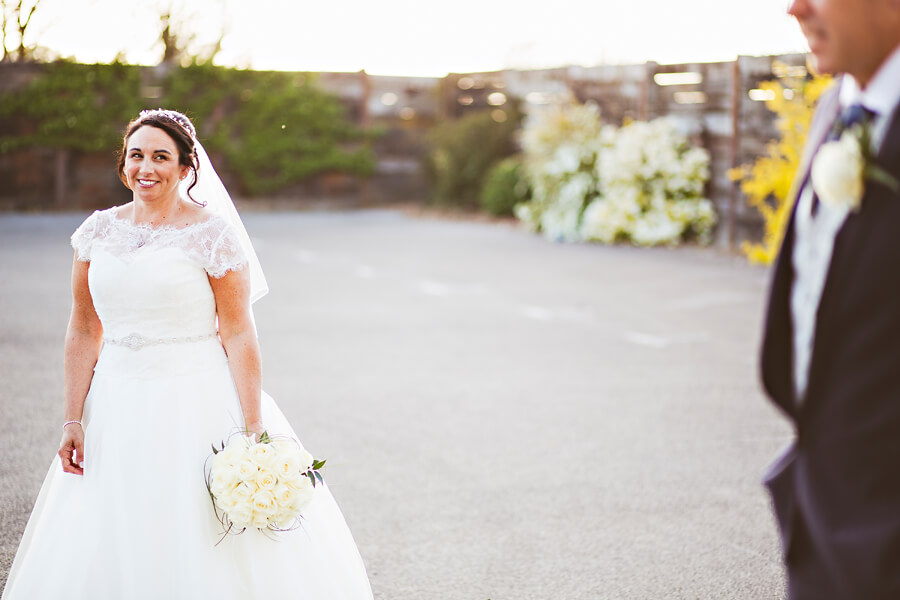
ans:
x=841 y=168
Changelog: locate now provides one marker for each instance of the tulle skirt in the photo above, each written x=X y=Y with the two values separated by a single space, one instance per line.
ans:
x=139 y=523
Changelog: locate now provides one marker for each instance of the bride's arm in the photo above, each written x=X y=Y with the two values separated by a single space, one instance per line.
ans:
x=84 y=337
x=238 y=335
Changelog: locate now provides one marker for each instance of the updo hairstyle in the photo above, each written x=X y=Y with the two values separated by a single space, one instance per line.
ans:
x=178 y=127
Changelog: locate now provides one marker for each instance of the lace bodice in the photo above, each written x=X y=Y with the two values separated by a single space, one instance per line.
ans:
x=150 y=283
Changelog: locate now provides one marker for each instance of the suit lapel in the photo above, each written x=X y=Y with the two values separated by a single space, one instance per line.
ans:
x=850 y=241
x=777 y=354
x=829 y=109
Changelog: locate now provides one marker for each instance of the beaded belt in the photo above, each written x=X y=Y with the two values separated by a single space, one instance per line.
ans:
x=135 y=341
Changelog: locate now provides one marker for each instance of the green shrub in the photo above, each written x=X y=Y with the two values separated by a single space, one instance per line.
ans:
x=273 y=128
x=463 y=151
x=74 y=106
x=504 y=187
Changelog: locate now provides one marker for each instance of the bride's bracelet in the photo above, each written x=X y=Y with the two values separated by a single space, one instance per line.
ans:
x=67 y=423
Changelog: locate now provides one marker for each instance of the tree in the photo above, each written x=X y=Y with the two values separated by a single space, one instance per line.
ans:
x=16 y=17
x=180 y=41
x=273 y=129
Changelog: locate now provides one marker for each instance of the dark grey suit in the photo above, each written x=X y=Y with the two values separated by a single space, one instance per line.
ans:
x=836 y=492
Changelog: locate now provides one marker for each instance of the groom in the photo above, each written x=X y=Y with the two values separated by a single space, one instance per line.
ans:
x=831 y=349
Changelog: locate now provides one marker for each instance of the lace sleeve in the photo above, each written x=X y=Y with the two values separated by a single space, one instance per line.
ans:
x=83 y=238
x=226 y=253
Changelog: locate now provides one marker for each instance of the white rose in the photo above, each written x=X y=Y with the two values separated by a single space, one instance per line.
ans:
x=241 y=515
x=226 y=501
x=264 y=503
x=285 y=444
x=259 y=520
x=243 y=492
x=223 y=470
x=263 y=455
x=221 y=485
x=302 y=501
x=290 y=452
x=289 y=505
x=305 y=459
x=234 y=453
x=284 y=494
x=287 y=464
x=247 y=470
x=226 y=504
x=284 y=518
x=837 y=172
x=266 y=480
x=282 y=444
x=302 y=493
x=297 y=481
x=219 y=461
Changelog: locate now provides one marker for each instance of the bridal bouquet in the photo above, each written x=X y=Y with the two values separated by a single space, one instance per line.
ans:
x=265 y=484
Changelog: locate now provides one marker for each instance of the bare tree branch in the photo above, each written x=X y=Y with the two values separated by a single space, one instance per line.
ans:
x=4 y=22
x=181 y=42
x=171 y=51
x=24 y=26
x=19 y=17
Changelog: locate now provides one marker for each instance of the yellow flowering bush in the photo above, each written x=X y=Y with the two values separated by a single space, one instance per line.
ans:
x=767 y=182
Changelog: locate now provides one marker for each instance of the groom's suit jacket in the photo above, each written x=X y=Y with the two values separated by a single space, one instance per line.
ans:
x=838 y=485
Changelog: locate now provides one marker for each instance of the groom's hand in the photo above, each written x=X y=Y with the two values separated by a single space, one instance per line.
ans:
x=71 y=449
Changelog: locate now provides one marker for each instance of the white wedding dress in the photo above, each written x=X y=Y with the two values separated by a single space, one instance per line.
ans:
x=139 y=523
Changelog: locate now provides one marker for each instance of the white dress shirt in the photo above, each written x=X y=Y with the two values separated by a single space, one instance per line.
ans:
x=814 y=235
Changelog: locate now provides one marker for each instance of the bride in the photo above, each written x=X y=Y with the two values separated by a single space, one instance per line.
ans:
x=161 y=360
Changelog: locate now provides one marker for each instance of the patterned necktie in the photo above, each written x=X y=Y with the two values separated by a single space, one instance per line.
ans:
x=850 y=116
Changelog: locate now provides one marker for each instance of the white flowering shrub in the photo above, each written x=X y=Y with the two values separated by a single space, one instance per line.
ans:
x=641 y=183
x=561 y=146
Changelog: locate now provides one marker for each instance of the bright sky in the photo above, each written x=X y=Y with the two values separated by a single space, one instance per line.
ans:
x=424 y=37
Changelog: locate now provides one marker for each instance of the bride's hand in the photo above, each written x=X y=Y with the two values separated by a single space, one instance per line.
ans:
x=71 y=449
x=256 y=428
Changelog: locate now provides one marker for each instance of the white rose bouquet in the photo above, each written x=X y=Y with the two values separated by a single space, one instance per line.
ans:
x=264 y=485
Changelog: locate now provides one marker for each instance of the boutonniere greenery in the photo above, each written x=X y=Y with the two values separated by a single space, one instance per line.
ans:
x=841 y=168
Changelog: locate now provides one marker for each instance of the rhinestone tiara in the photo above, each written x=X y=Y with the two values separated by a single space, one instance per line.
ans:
x=172 y=115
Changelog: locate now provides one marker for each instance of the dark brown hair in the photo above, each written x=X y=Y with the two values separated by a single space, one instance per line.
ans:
x=178 y=127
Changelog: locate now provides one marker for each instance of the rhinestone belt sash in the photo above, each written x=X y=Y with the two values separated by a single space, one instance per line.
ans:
x=135 y=341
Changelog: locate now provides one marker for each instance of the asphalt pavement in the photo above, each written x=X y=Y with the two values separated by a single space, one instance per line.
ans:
x=504 y=417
